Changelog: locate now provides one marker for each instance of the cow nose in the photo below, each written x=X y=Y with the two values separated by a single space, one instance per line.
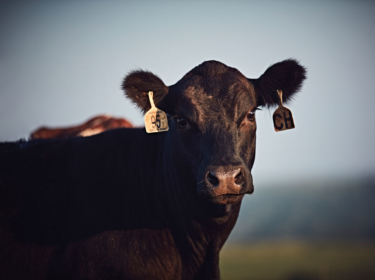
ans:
x=225 y=182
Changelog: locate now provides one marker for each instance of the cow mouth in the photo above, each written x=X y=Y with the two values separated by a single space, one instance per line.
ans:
x=227 y=198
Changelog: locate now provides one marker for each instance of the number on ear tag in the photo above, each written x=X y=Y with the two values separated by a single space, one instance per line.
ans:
x=155 y=119
x=282 y=118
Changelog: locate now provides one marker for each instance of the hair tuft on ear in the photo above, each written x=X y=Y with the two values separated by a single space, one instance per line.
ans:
x=138 y=83
x=287 y=75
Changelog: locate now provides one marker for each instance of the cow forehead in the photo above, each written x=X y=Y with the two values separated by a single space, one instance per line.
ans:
x=224 y=96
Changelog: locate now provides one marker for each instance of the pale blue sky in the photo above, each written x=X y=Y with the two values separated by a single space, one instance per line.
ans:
x=62 y=62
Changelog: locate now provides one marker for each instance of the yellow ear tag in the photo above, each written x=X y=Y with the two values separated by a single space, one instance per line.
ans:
x=155 y=119
x=282 y=118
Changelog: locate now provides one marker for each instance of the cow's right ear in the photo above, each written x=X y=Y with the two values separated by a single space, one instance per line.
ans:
x=138 y=83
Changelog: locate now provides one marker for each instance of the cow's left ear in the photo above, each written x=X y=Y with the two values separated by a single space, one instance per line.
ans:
x=287 y=75
x=137 y=84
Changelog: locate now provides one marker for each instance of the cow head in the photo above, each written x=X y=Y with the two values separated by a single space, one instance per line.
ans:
x=212 y=117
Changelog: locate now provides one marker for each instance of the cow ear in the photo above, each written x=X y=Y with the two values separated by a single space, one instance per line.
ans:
x=287 y=75
x=138 y=83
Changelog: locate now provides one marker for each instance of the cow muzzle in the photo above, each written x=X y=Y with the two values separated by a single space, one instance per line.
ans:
x=227 y=184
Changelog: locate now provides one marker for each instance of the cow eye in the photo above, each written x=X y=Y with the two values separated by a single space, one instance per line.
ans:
x=182 y=123
x=251 y=116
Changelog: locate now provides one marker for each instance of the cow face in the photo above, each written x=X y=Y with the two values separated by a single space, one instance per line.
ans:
x=212 y=116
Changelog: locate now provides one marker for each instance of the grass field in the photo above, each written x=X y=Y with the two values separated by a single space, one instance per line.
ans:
x=298 y=261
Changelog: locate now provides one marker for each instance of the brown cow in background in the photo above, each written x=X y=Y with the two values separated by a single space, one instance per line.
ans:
x=93 y=126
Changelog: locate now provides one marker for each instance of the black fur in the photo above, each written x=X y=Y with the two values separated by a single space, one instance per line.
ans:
x=286 y=75
x=125 y=204
x=137 y=85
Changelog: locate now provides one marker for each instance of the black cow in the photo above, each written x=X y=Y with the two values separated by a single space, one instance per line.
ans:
x=125 y=204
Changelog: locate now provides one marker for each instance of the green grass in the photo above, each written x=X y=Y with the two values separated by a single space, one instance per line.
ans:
x=298 y=260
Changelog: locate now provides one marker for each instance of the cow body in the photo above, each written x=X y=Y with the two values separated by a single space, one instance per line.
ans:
x=95 y=227
x=125 y=204
x=93 y=126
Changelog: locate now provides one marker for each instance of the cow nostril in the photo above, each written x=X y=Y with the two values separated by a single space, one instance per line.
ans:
x=212 y=179
x=238 y=180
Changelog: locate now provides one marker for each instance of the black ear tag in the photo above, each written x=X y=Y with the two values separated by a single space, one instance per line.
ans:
x=282 y=118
